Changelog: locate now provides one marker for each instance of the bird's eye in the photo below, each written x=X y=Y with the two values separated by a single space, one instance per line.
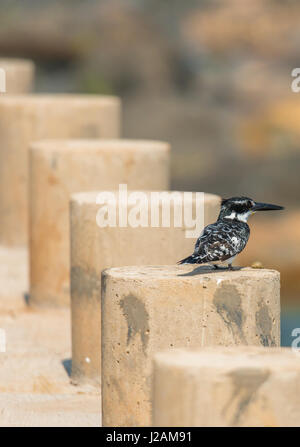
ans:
x=250 y=204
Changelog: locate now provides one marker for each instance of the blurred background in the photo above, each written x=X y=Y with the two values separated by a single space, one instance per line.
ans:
x=212 y=77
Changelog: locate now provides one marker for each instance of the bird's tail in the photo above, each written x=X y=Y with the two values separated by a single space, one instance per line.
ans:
x=189 y=260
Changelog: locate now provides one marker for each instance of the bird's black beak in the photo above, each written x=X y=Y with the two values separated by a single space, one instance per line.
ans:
x=266 y=207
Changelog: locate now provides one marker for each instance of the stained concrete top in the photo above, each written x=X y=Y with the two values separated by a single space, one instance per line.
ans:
x=91 y=196
x=100 y=145
x=190 y=272
x=228 y=358
x=57 y=98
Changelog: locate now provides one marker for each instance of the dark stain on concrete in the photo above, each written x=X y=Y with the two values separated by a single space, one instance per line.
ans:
x=85 y=283
x=115 y=384
x=229 y=306
x=246 y=382
x=137 y=319
x=264 y=325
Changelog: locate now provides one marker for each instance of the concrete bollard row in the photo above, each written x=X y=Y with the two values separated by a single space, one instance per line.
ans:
x=27 y=118
x=59 y=168
x=141 y=310
x=94 y=249
x=16 y=76
x=226 y=387
x=148 y=309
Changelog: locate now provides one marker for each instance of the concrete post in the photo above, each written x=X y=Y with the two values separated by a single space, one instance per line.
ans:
x=26 y=118
x=94 y=249
x=148 y=309
x=227 y=387
x=62 y=167
x=18 y=75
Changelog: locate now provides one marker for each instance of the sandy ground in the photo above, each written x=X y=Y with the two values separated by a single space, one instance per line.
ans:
x=35 y=388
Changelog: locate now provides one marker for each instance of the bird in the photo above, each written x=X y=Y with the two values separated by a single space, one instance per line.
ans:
x=220 y=242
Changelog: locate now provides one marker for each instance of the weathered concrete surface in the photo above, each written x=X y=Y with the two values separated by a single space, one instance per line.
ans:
x=94 y=249
x=36 y=345
x=35 y=387
x=59 y=168
x=147 y=309
x=19 y=75
x=26 y=118
x=13 y=278
x=227 y=387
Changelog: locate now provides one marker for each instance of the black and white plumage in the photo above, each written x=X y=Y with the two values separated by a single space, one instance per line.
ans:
x=223 y=240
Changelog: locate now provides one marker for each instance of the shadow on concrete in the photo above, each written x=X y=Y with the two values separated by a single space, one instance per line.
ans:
x=205 y=269
x=67 y=364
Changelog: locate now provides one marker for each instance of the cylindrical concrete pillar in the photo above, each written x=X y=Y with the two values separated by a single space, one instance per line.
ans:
x=26 y=118
x=94 y=248
x=18 y=75
x=59 y=168
x=227 y=387
x=147 y=309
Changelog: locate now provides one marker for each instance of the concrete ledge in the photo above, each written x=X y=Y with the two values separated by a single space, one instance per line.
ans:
x=147 y=309
x=227 y=387
x=27 y=118
x=49 y=410
x=94 y=249
x=19 y=74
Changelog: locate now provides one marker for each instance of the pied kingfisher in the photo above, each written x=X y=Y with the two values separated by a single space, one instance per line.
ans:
x=223 y=240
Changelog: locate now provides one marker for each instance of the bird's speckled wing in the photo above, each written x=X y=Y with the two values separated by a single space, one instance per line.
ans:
x=220 y=241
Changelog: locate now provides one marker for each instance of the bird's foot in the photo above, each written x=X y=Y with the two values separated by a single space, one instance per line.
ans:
x=230 y=267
